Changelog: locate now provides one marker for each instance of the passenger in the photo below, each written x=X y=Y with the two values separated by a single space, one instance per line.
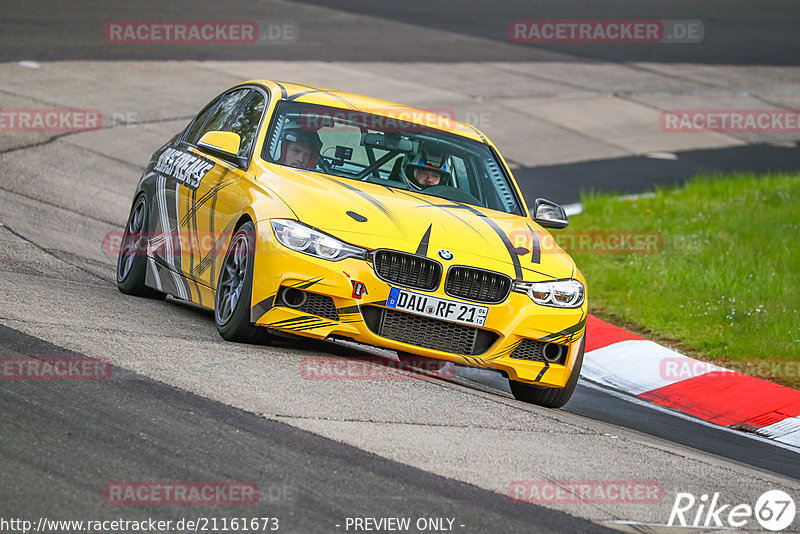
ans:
x=300 y=148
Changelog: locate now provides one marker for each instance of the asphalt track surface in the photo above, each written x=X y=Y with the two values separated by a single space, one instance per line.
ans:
x=61 y=442
x=596 y=402
x=736 y=32
x=630 y=175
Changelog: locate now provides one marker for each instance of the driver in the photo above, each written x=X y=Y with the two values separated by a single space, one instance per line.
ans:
x=427 y=168
x=300 y=148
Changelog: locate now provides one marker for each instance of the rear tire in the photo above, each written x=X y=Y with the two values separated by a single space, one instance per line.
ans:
x=235 y=288
x=549 y=397
x=132 y=258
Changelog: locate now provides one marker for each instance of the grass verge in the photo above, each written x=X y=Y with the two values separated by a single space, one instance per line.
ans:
x=721 y=280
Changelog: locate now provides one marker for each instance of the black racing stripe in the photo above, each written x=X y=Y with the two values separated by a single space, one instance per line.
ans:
x=301 y=319
x=506 y=351
x=284 y=93
x=316 y=323
x=172 y=215
x=298 y=95
x=475 y=361
x=348 y=309
x=422 y=248
x=194 y=235
x=310 y=323
x=378 y=303
x=536 y=250
x=541 y=373
x=499 y=231
x=305 y=284
x=313 y=326
x=334 y=95
x=442 y=206
x=208 y=260
x=374 y=201
x=208 y=195
x=506 y=241
x=262 y=307
x=567 y=331
x=213 y=275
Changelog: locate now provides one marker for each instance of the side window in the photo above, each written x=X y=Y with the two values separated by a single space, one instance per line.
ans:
x=200 y=120
x=246 y=122
x=217 y=115
x=459 y=172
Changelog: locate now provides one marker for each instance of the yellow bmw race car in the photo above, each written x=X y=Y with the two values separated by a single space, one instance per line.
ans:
x=290 y=209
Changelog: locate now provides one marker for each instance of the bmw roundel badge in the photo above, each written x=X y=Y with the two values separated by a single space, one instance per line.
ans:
x=445 y=254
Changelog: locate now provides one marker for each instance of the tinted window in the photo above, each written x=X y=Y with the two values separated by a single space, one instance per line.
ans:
x=218 y=115
x=246 y=122
x=200 y=120
x=388 y=150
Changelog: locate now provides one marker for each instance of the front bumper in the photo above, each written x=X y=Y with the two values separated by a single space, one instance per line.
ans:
x=335 y=309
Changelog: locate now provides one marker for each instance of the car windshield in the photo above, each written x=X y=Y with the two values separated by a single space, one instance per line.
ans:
x=387 y=150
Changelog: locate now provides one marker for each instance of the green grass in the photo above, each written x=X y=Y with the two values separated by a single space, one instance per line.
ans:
x=725 y=287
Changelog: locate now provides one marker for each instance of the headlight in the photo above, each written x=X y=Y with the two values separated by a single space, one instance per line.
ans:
x=558 y=293
x=297 y=236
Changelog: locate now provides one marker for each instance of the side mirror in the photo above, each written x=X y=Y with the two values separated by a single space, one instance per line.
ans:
x=224 y=145
x=549 y=214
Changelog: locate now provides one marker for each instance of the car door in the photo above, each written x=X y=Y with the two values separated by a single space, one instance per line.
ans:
x=193 y=190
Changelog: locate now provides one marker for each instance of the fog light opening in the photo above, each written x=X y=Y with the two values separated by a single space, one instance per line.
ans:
x=293 y=298
x=553 y=352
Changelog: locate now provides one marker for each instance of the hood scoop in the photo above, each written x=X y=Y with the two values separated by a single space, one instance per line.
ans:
x=357 y=216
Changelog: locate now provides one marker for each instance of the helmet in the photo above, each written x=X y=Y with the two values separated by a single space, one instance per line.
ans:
x=302 y=136
x=430 y=160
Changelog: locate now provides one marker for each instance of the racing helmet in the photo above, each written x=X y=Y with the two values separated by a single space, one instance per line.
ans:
x=429 y=159
x=303 y=136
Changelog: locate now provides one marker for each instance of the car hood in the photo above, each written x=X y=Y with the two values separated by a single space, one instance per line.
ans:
x=375 y=216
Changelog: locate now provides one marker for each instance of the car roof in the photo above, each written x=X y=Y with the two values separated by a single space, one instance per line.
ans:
x=341 y=99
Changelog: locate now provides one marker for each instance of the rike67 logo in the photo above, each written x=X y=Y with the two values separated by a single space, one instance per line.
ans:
x=774 y=510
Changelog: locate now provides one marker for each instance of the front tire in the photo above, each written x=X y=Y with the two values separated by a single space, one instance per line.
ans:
x=132 y=258
x=234 y=290
x=549 y=397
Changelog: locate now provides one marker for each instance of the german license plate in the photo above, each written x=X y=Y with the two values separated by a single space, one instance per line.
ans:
x=437 y=308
